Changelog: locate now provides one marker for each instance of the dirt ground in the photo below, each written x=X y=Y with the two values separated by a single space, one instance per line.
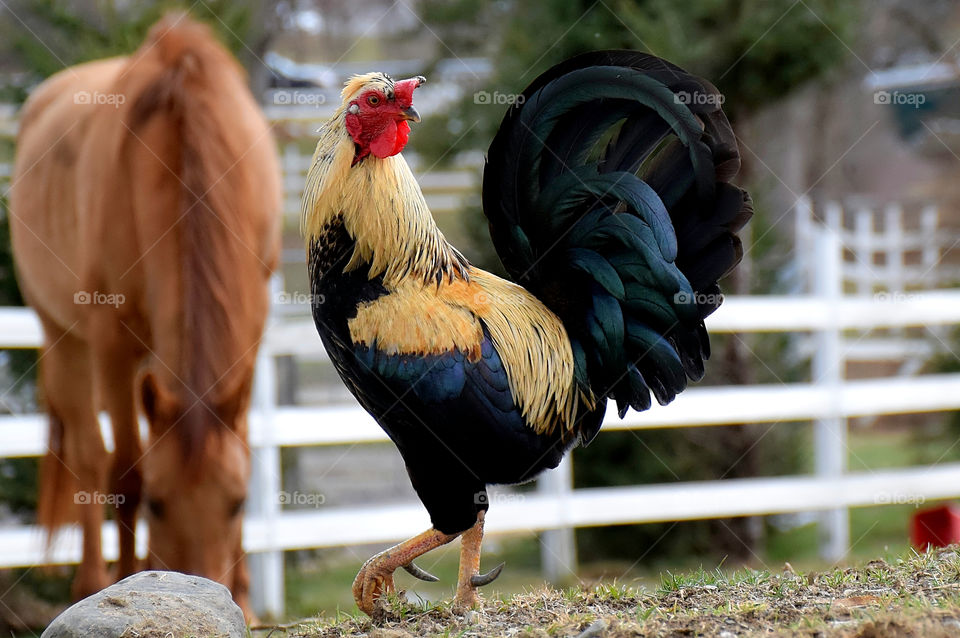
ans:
x=917 y=596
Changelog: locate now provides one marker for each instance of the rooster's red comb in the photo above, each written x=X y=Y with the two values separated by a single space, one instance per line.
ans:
x=403 y=90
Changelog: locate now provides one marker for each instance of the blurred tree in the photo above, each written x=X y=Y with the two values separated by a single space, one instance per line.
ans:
x=756 y=52
x=9 y=292
x=44 y=36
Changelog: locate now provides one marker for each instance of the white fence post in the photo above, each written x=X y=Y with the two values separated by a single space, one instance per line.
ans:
x=893 y=220
x=930 y=253
x=803 y=238
x=558 y=550
x=293 y=180
x=863 y=250
x=830 y=431
x=266 y=568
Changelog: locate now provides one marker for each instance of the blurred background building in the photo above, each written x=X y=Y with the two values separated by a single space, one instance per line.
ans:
x=849 y=120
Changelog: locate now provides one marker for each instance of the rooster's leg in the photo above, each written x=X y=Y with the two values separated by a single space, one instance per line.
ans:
x=470 y=577
x=376 y=576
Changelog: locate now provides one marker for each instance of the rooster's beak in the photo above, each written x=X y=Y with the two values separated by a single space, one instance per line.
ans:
x=410 y=113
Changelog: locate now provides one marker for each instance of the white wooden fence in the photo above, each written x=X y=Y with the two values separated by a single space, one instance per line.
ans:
x=889 y=250
x=828 y=399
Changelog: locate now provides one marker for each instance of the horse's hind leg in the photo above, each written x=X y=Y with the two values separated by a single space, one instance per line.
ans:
x=115 y=356
x=68 y=389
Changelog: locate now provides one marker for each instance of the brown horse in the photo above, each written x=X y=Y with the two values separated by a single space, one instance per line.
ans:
x=145 y=210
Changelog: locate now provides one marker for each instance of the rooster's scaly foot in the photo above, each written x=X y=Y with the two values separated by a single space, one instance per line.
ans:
x=373 y=580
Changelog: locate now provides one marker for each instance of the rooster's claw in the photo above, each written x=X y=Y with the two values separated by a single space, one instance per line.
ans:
x=420 y=573
x=479 y=580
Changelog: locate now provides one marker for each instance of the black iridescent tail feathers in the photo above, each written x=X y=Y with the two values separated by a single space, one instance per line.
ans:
x=608 y=196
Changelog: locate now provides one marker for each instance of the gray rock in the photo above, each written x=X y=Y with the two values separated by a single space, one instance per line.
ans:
x=153 y=605
x=596 y=628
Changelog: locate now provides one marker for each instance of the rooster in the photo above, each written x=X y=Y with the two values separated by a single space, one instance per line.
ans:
x=608 y=198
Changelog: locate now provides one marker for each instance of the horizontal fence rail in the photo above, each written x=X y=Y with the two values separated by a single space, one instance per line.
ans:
x=533 y=512
x=26 y=435
x=19 y=327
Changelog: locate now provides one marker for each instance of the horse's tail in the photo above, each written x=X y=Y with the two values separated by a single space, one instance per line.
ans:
x=56 y=502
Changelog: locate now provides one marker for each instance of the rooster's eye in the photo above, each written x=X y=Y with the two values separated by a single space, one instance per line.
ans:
x=373 y=100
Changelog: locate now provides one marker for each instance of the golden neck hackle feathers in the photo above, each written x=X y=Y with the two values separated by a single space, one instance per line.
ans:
x=380 y=203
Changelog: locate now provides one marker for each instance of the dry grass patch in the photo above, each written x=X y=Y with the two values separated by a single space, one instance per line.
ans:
x=914 y=596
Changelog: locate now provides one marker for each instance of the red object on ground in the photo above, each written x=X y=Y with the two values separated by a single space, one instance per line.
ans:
x=937 y=526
